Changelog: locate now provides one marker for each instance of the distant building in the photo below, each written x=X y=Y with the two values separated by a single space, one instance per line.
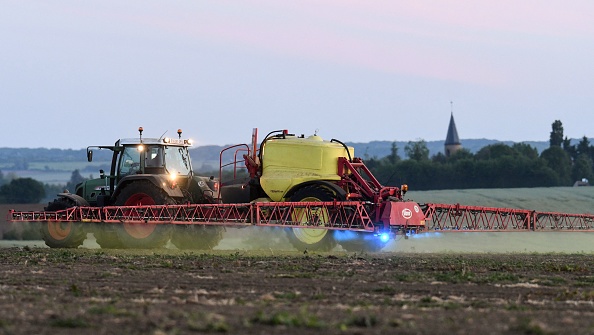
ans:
x=452 y=142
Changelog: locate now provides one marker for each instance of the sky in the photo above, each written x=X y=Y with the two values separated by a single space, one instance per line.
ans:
x=83 y=73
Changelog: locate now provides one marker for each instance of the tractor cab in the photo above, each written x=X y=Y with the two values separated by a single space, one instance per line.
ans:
x=162 y=162
x=153 y=156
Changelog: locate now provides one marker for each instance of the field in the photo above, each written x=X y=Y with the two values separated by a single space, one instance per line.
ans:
x=253 y=283
x=47 y=291
x=554 y=199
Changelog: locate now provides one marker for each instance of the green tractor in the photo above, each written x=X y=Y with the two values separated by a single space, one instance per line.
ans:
x=144 y=171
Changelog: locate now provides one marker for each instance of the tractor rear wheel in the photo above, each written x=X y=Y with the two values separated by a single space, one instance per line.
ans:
x=196 y=237
x=143 y=235
x=62 y=234
x=313 y=239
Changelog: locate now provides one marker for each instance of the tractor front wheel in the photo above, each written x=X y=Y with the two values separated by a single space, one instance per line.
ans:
x=62 y=234
x=313 y=239
x=143 y=235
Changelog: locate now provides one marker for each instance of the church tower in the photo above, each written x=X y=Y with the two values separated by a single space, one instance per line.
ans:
x=452 y=142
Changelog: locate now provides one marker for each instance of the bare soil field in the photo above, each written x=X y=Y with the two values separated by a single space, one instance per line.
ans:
x=52 y=291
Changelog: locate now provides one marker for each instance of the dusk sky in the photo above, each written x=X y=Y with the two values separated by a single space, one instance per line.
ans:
x=80 y=73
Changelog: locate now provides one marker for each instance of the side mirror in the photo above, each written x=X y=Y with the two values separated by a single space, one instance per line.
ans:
x=101 y=174
x=89 y=155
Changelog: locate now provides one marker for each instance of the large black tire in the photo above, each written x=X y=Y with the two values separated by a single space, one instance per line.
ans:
x=312 y=239
x=62 y=234
x=358 y=241
x=139 y=235
x=107 y=237
x=197 y=237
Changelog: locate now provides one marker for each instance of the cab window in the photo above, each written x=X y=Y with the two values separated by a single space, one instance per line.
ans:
x=129 y=161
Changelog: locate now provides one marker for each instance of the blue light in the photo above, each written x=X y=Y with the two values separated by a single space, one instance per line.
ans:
x=346 y=235
x=384 y=237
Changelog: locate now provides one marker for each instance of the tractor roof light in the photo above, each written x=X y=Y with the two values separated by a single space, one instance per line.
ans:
x=179 y=132
x=140 y=148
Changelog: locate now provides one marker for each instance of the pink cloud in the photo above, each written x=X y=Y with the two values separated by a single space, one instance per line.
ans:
x=449 y=40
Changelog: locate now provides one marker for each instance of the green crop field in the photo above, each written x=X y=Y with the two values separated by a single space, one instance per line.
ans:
x=552 y=199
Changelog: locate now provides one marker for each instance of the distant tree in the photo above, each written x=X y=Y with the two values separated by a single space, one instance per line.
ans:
x=560 y=162
x=393 y=157
x=556 y=138
x=463 y=153
x=75 y=178
x=526 y=150
x=1 y=178
x=417 y=150
x=439 y=158
x=22 y=191
x=463 y=172
x=583 y=148
x=420 y=174
x=495 y=151
x=582 y=168
x=372 y=162
x=51 y=190
x=10 y=176
x=569 y=148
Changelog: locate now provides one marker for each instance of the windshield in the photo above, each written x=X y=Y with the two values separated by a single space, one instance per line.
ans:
x=177 y=160
x=129 y=161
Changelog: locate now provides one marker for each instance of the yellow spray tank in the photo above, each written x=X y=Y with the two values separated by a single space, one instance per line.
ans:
x=289 y=161
x=289 y=168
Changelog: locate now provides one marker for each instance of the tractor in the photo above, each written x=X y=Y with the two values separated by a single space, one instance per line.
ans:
x=144 y=171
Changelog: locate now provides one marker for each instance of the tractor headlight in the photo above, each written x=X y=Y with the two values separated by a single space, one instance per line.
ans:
x=173 y=179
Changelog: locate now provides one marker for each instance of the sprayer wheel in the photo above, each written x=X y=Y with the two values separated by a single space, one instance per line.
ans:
x=313 y=239
x=141 y=235
x=197 y=237
x=62 y=234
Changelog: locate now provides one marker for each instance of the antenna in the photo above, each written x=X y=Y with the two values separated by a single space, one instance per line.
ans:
x=163 y=135
x=451 y=107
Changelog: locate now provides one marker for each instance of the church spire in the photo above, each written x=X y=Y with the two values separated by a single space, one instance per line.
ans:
x=452 y=142
x=452 y=136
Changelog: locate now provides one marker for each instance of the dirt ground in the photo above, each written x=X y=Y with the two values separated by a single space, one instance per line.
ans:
x=59 y=291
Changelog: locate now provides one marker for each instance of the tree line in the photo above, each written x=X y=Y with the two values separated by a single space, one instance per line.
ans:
x=493 y=166
x=15 y=190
